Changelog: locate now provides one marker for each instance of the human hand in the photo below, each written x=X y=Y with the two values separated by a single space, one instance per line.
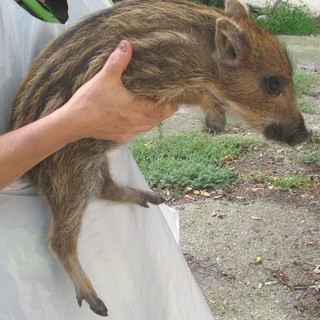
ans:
x=104 y=109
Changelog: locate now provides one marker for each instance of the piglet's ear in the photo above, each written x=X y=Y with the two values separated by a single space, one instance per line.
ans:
x=237 y=9
x=229 y=40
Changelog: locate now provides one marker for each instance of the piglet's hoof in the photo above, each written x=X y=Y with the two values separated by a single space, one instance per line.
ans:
x=151 y=197
x=155 y=198
x=96 y=306
x=99 y=308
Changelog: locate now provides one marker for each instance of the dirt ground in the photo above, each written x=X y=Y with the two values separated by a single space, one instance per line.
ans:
x=255 y=251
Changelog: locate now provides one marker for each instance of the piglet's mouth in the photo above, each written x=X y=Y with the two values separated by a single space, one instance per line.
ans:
x=278 y=133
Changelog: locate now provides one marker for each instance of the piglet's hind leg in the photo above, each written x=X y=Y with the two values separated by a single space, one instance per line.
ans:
x=63 y=239
x=117 y=193
x=114 y=192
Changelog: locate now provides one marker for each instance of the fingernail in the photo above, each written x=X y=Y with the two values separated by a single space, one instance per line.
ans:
x=122 y=46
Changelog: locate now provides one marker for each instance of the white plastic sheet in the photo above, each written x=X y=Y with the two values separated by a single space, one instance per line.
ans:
x=129 y=253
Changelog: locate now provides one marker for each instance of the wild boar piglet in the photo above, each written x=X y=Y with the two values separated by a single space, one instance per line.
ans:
x=184 y=53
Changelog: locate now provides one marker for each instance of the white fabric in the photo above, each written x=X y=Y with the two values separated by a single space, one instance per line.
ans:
x=129 y=253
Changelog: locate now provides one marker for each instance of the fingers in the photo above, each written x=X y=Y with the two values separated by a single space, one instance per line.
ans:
x=113 y=69
x=117 y=113
x=118 y=61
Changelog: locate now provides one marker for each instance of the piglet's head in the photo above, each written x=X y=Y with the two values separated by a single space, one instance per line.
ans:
x=254 y=77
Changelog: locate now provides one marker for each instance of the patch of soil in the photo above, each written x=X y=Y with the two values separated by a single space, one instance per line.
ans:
x=255 y=253
x=276 y=162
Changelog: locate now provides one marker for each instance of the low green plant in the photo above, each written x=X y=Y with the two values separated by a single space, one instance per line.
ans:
x=212 y=3
x=284 y=183
x=305 y=85
x=312 y=150
x=317 y=20
x=190 y=159
x=307 y=106
x=305 y=82
x=283 y=17
x=313 y=157
x=290 y=182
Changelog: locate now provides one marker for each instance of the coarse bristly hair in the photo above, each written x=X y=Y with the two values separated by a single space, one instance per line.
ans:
x=183 y=53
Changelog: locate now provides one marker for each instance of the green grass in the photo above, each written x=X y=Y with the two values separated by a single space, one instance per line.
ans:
x=287 y=18
x=307 y=106
x=190 y=160
x=284 y=183
x=212 y=3
x=289 y=182
x=317 y=20
x=305 y=85
x=312 y=151
x=313 y=157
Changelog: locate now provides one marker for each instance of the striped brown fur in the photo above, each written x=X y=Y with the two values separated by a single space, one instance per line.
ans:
x=184 y=53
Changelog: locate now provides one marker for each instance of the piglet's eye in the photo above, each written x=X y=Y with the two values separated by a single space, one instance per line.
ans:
x=273 y=85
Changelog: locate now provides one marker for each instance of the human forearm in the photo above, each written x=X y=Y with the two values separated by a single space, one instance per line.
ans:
x=23 y=148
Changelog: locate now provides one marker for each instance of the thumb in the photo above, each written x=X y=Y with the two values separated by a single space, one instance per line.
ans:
x=118 y=60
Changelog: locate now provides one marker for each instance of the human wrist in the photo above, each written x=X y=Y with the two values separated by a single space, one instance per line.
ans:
x=66 y=125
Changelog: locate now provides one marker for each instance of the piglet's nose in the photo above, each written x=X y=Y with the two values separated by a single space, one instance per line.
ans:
x=300 y=137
